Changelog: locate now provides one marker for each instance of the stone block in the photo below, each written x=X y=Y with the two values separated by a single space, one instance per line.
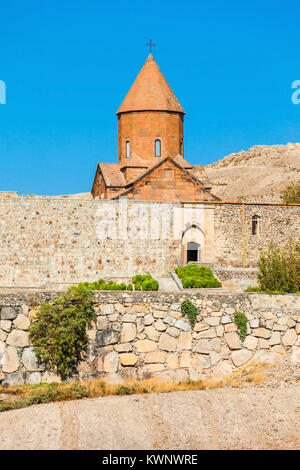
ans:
x=289 y=338
x=34 y=378
x=160 y=326
x=10 y=360
x=146 y=345
x=128 y=359
x=14 y=379
x=22 y=322
x=184 y=341
x=182 y=325
x=250 y=342
x=8 y=313
x=103 y=338
x=172 y=361
x=261 y=333
x=241 y=357
x=156 y=356
x=275 y=338
x=233 y=340
x=167 y=343
x=128 y=332
x=185 y=359
x=5 y=325
x=212 y=321
x=173 y=331
x=18 y=338
x=29 y=360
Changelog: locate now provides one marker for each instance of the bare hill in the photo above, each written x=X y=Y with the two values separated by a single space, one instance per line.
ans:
x=258 y=173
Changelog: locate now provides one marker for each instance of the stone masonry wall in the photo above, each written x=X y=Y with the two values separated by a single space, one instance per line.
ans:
x=277 y=223
x=46 y=241
x=143 y=334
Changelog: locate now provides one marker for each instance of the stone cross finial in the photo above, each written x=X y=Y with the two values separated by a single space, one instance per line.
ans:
x=150 y=44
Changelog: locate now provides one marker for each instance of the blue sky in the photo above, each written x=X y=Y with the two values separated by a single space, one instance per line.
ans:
x=68 y=65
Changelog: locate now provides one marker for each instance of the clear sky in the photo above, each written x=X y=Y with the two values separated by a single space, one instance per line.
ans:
x=68 y=64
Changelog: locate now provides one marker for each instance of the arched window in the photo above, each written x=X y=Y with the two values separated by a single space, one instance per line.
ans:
x=255 y=225
x=157 y=148
x=181 y=148
x=127 y=148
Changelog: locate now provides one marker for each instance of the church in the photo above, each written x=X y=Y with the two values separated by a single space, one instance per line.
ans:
x=151 y=164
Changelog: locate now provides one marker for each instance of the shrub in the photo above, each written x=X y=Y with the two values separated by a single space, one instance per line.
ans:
x=193 y=276
x=145 y=282
x=190 y=310
x=129 y=287
x=279 y=268
x=150 y=284
x=241 y=320
x=59 y=335
x=291 y=194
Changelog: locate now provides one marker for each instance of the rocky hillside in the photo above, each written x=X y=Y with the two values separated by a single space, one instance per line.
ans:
x=259 y=173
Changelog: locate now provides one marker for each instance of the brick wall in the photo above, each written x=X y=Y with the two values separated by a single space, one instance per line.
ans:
x=142 y=128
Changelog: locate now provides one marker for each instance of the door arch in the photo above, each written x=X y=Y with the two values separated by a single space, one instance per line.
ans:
x=192 y=243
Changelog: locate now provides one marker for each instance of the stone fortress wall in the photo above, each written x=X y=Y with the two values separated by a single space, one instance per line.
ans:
x=51 y=241
x=143 y=334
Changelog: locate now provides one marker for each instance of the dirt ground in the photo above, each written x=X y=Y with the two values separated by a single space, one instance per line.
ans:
x=224 y=418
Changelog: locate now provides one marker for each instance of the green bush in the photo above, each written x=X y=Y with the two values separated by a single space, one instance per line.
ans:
x=59 y=335
x=145 y=282
x=279 y=268
x=150 y=284
x=291 y=194
x=193 y=276
x=241 y=321
x=190 y=310
x=102 y=285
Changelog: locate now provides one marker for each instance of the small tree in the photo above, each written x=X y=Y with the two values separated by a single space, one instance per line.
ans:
x=291 y=194
x=59 y=333
x=279 y=268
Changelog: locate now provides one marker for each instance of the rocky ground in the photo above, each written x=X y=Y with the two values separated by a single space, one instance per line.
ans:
x=258 y=174
x=248 y=414
x=245 y=418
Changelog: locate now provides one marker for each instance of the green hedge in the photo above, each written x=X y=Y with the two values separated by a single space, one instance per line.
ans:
x=143 y=282
x=193 y=276
x=102 y=285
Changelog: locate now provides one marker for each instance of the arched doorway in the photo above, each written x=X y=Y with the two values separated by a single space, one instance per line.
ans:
x=191 y=244
x=193 y=252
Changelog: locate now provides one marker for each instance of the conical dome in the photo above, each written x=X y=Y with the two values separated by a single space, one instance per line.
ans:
x=150 y=92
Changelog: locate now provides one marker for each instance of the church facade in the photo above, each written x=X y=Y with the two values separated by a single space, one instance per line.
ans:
x=151 y=164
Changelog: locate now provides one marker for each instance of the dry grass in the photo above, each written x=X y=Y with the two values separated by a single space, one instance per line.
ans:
x=27 y=395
